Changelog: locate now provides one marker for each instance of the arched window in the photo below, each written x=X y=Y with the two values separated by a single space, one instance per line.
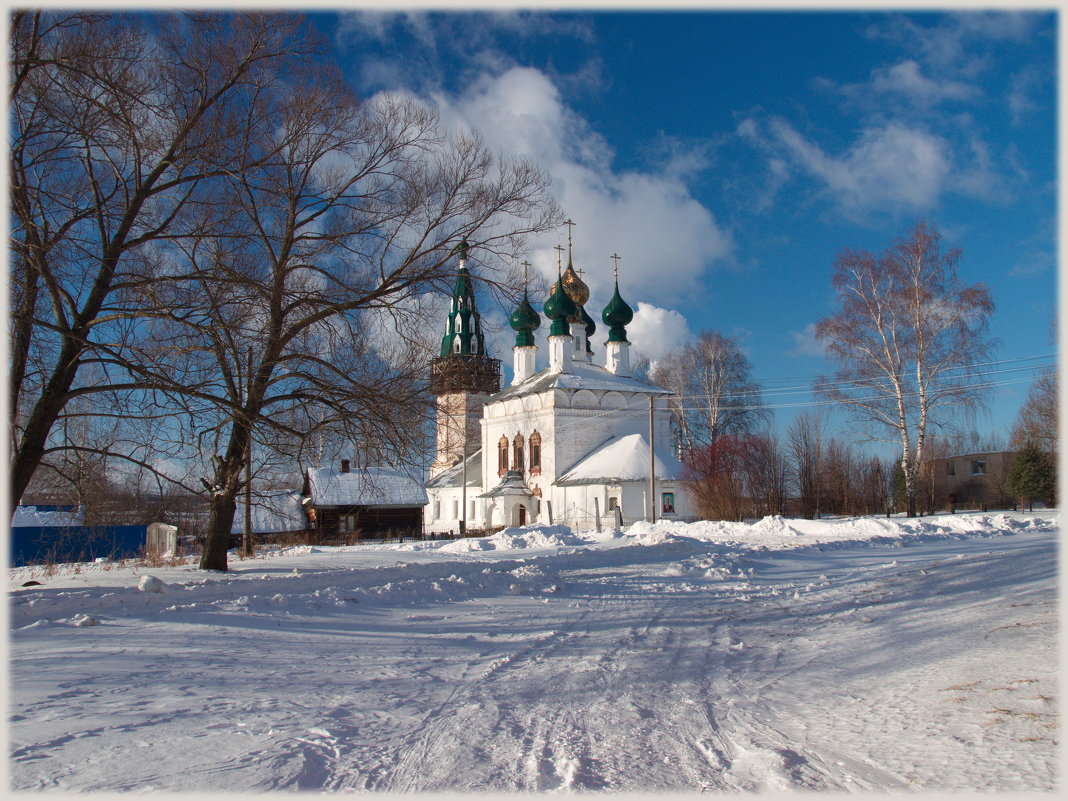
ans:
x=502 y=456
x=517 y=453
x=535 y=454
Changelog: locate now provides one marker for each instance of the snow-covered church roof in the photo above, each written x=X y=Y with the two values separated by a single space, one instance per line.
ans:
x=580 y=375
x=453 y=477
x=370 y=486
x=621 y=459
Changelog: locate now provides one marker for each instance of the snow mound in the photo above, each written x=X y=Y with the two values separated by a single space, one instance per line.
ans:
x=777 y=525
x=646 y=533
x=510 y=539
x=534 y=537
x=150 y=584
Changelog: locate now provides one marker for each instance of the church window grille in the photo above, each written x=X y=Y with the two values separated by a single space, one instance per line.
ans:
x=502 y=456
x=535 y=454
x=517 y=452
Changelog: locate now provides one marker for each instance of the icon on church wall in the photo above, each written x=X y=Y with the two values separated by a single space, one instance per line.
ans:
x=668 y=503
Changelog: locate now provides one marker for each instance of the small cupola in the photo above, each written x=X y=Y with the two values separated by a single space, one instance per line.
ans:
x=616 y=315
x=524 y=321
x=559 y=308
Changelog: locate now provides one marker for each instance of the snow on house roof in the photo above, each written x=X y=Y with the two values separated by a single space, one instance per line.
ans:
x=272 y=512
x=370 y=486
x=580 y=375
x=47 y=516
x=453 y=477
x=621 y=459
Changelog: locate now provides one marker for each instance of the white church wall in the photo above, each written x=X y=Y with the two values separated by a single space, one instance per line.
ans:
x=443 y=513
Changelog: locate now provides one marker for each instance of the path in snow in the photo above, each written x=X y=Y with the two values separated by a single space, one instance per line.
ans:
x=686 y=665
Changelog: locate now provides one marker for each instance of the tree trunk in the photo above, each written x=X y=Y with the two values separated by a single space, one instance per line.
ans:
x=223 y=507
x=910 y=487
x=31 y=447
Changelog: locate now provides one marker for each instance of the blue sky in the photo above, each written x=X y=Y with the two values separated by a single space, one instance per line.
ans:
x=728 y=157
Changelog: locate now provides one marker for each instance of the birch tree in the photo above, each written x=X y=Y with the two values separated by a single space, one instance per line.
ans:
x=907 y=338
x=713 y=391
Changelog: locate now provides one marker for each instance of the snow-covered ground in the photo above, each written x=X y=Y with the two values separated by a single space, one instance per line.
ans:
x=853 y=654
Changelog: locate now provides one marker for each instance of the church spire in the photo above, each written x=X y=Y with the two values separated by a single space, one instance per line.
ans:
x=524 y=321
x=616 y=315
x=463 y=326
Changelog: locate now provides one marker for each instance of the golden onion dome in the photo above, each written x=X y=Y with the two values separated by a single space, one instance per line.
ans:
x=574 y=286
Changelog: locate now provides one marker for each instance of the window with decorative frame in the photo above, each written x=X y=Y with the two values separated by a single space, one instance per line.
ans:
x=502 y=456
x=535 y=454
x=517 y=453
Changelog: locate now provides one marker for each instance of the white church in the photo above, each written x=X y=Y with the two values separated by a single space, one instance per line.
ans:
x=573 y=444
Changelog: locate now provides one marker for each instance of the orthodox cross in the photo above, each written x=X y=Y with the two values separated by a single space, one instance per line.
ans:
x=570 y=224
x=526 y=266
x=615 y=257
x=559 y=249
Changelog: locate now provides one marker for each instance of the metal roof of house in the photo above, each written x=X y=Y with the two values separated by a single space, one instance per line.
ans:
x=370 y=486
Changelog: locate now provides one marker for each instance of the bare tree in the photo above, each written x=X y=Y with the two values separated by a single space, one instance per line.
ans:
x=1036 y=421
x=276 y=329
x=117 y=124
x=806 y=437
x=767 y=472
x=713 y=392
x=907 y=337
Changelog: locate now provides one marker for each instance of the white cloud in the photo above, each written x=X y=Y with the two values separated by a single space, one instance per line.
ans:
x=655 y=331
x=806 y=343
x=890 y=167
x=906 y=79
x=665 y=237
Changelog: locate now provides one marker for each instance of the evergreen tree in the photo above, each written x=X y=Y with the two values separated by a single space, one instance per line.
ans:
x=1031 y=476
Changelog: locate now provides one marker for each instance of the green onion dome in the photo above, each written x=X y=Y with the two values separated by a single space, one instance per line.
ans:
x=591 y=326
x=525 y=322
x=559 y=308
x=616 y=315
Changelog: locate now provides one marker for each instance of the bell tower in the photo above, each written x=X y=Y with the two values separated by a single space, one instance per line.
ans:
x=463 y=376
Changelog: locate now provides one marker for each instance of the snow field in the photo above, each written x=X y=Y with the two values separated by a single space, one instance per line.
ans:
x=855 y=654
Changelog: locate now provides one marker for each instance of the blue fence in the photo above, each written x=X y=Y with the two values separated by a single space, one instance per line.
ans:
x=57 y=544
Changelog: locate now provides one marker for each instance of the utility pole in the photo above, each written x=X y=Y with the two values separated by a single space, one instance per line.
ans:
x=652 y=465
x=463 y=473
x=246 y=544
